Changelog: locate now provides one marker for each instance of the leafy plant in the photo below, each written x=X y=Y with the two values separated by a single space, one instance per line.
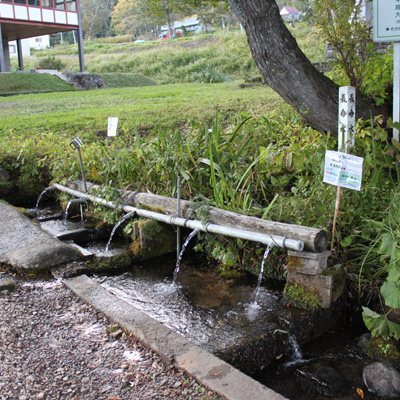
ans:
x=358 y=62
x=211 y=74
x=389 y=252
x=50 y=62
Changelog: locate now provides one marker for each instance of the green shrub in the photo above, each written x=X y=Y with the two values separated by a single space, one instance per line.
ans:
x=50 y=62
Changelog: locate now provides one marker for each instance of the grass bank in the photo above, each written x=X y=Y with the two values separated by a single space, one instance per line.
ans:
x=16 y=83
x=178 y=60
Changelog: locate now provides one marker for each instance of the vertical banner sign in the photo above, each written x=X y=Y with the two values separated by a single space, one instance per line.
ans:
x=112 y=126
x=347 y=118
x=387 y=29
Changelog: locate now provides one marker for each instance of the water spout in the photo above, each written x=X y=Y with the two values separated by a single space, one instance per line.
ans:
x=260 y=276
x=69 y=205
x=117 y=225
x=178 y=261
x=252 y=309
x=48 y=189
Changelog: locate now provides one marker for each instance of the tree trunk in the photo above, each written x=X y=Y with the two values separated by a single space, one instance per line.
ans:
x=287 y=70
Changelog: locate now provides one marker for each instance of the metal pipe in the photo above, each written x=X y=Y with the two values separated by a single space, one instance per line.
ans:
x=80 y=201
x=178 y=213
x=269 y=240
x=83 y=171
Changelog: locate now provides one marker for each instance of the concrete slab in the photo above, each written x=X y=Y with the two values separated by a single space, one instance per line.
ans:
x=206 y=368
x=25 y=246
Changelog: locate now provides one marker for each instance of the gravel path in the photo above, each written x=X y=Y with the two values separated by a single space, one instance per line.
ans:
x=53 y=346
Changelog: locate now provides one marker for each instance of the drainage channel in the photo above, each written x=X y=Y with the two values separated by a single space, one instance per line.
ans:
x=268 y=240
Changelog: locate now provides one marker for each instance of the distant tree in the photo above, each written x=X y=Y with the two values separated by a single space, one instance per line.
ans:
x=166 y=9
x=133 y=17
x=96 y=16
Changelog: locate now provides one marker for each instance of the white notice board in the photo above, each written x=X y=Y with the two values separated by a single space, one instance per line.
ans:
x=386 y=20
x=343 y=170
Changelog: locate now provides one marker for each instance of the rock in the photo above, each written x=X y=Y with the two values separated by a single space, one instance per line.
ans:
x=25 y=246
x=4 y=175
x=85 y=80
x=319 y=376
x=382 y=379
x=363 y=342
x=7 y=284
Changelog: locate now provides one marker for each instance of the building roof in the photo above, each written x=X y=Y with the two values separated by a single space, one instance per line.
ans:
x=290 y=10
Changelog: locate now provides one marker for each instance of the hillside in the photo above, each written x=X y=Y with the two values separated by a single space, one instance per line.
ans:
x=189 y=59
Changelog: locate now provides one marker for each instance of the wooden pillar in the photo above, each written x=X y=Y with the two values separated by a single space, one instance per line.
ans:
x=20 y=55
x=80 y=38
x=2 y=61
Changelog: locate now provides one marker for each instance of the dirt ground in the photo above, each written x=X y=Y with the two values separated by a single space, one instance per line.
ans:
x=53 y=346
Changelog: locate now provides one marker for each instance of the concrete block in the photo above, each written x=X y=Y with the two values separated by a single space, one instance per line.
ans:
x=307 y=263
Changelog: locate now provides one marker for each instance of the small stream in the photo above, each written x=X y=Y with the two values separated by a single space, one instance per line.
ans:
x=213 y=314
x=217 y=311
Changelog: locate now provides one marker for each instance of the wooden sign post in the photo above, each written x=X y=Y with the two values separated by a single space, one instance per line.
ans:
x=346 y=135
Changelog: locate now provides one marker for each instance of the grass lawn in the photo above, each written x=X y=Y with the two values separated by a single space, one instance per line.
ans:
x=164 y=106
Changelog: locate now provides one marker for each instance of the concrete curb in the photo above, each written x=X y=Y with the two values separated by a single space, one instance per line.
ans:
x=206 y=368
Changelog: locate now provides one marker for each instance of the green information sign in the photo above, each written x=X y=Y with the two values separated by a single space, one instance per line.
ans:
x=386 y=20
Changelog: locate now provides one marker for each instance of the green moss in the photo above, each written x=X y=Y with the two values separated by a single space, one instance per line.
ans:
x=384 y=349
x=156 y=209
x=302 y=297
x=149 y=228
x=294 y=263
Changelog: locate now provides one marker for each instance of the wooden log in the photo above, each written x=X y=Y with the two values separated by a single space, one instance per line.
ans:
x=315 y=240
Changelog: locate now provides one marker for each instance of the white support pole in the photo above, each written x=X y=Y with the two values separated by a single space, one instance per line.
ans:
x=396 y=87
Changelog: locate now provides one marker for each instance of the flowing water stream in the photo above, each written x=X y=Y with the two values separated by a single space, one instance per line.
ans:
x=217 y=311
x=117 y=225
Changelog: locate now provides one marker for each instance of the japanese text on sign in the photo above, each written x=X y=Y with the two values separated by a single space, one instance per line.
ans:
x=347 y=118
x=343 y=170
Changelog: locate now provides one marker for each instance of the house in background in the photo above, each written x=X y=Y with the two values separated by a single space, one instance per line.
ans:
x=38 y=43
x=191 y=24
x=22 y=19
x=290 y=13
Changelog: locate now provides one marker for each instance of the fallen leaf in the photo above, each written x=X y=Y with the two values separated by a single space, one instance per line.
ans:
x=360 y=392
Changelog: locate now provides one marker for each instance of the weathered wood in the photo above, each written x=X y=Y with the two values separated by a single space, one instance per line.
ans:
x=315 y=240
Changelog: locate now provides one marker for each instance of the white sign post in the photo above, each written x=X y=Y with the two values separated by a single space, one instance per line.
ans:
x=112 y=126
x=341 y=169
x=387 y=29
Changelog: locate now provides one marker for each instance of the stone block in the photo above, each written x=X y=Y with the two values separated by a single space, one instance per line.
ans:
x=328 y=286
x=307 y=263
